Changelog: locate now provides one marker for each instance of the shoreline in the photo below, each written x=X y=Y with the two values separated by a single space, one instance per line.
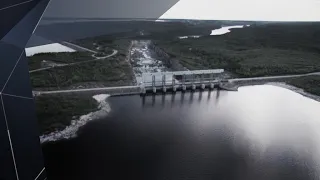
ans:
x=104 y=109
x=295 y=89
x=281 y=84
x=71 y=130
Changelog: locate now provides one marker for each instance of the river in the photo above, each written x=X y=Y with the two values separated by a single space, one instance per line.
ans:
x=144 y=60
x=260 y=132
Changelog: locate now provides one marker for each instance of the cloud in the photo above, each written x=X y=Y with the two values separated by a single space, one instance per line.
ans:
x=108 y=8
x=271 y=10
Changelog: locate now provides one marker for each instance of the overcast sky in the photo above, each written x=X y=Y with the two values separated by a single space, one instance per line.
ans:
x=108 y=8
x=269 y=10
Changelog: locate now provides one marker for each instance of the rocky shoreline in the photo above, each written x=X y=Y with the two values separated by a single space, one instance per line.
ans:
x=71 y=131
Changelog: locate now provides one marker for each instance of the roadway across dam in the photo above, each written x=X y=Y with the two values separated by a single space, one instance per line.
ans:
x=162 y=82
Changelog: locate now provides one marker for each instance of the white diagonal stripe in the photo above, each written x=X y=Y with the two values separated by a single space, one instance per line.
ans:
x=9 y=137
x=40 y=173
x=41 y=17
x=14 y=5
x=12 y=95
x=12 y=71
x=12 y=152
x=4 y=112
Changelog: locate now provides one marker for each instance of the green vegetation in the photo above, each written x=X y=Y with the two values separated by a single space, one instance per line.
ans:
x=105 y=43
x=310 y=84
x=259 y=50
x=154 y=30
x=62 y=58
x=55 y=112
x=112 y=71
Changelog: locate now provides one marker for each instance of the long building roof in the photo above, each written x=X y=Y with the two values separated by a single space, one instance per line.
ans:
x=209 y=71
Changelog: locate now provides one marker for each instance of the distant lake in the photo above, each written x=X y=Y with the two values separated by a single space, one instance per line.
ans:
x=225 y=30
x=217 y=32
x=260 y=132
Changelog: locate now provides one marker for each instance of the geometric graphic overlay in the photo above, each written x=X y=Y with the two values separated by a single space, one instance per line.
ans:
x=96 y=17
x=106 y=9
x=24 y=136
x=9 y=54
x=11 y=15
x=21 y=32
x=20 y=152
x=6 y=164
x=19 y=83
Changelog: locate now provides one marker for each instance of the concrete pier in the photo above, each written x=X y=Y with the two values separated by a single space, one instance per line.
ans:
x=143 y=90
x=164 y=89
x=184 y=87
x=174 y=88
x=203 y=86
x=193 y=87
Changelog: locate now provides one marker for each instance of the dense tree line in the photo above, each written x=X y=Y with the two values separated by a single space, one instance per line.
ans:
x=55 y=112
x=267 y=49
x=310 y=84
x=110 y=72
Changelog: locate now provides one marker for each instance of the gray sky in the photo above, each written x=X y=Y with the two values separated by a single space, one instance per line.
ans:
x=108 y=8
x=266 y=10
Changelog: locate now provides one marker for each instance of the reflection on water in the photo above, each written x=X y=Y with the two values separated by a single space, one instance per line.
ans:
x=200 y=96
x=173 y=99
x=150 y=100
x=260 y=132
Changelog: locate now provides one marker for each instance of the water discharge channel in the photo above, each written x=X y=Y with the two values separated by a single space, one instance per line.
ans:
x=144 y=60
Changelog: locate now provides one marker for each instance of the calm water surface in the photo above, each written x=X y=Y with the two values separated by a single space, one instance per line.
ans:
x=260 y=132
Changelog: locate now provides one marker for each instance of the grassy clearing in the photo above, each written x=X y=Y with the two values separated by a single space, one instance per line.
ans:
x=112 y=71
x=109 y=72
x=62 y=57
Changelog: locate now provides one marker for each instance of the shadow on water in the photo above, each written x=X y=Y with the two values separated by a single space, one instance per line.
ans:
x=158 y=145
x=182 y=99
x=145 y=100
x=209 y=95
x=153 y=100
x=191 y=95
x=200 y=96
x=217 y=96
x=163 y=100
x=173 y=97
